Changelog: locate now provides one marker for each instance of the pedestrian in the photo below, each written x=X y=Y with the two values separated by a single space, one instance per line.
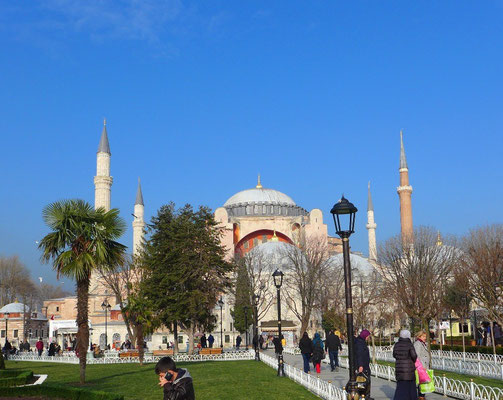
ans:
x=306 y=349
x=7 y=348
x=238 y=342
x=25 y=346
x=424 y=356
x=211 y=339
x=497 y=333
x=255 y=342
x=283 y=341
x=333 y=345
x=278 y=348
x=362 y=358
x=176 y=382
x=204 y=344
x=480 y=334
x=261 y=342
x=39 y=346
x=52 y=349
x=405 y=358
x=318 y=353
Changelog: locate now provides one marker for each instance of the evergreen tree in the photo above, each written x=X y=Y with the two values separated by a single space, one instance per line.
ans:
x=185 y=268
x=242 y=299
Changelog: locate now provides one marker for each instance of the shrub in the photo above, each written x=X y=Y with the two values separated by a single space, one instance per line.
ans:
x=60 y=392
x=14 y=378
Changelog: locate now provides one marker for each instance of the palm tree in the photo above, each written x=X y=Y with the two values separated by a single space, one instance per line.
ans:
x=82 y=241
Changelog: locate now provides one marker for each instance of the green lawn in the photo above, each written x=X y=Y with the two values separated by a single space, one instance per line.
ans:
x=212 y=380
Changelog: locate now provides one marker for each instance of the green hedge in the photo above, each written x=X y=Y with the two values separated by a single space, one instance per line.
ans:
x=60 y=392
x=16 y=379
x=469 y=349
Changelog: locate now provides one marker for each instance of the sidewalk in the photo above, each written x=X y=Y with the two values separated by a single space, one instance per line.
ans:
x=381 y=388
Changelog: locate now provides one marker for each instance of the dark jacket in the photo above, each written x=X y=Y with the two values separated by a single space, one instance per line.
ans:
x=181 y=389
x=278 y=347
x=306 y=345
x=405 y=357
x=318 y=353
x=333 y=342
x=362 y=354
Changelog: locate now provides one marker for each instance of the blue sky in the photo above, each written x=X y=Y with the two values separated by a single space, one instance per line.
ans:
x=202 y=96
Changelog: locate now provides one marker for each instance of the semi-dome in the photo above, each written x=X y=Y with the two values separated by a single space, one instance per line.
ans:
x=14 y=308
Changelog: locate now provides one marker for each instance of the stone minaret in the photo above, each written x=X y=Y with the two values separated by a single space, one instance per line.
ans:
x=138 y=222
x=405 y=194
x=103 y=180
x=371 y=227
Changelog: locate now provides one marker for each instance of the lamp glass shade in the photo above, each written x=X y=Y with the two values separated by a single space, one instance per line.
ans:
x=6 y=315
x=256 y=299
x=342 y=208
x=221 y=303
x=278 y=278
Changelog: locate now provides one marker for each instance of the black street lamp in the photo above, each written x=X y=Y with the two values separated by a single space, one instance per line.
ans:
x=278 y=281
x=256 y=299
x=106 y=307
x=245 y=309
x=344 y=207
x=221 y=304
x=6 y=316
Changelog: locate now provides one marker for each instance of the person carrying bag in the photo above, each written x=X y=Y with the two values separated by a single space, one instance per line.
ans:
x=424 y=375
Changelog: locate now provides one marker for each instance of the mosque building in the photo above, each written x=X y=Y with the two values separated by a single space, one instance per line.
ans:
x=258 y=219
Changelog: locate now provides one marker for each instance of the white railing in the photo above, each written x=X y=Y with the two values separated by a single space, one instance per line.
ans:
x=318 y=386
x=455 y=355
x=458 y=365
x=446 y=386
x=228 y=356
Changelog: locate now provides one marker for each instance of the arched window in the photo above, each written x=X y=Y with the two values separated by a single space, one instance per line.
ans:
x=102 y=341
x=116 y=337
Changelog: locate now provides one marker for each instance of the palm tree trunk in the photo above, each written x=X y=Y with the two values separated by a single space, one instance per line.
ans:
x=139 y=342
x=82 y=324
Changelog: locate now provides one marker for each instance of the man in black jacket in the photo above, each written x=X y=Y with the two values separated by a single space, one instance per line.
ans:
x=362 y=358
x=333 y=345
x=176 y=382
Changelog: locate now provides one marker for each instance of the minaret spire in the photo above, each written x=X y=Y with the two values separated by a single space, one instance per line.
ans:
x=371 y=227
x=139 y=194
x=104 y=146
x=403 y=159
x=138 y=221
x=103 y=181
x=405 y=194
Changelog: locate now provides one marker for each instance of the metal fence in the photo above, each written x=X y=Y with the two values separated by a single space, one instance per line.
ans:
x=321 y=388
x=149 y=358
x=446 y=386
x=456 y=364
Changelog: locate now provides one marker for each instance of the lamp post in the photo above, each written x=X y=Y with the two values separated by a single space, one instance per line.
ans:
x=278 y=281
x=106 y=307
x=6 y=315
x=344 y=207
x=245 y=309
x=256 y=299
x=221 y=304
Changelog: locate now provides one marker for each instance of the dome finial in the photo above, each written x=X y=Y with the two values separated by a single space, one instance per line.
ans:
x=274 y=237
x=259 y=185
x=439 y=239
x=104 y=122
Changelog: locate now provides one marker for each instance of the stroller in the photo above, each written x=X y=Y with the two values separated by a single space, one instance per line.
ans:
x=361 y=389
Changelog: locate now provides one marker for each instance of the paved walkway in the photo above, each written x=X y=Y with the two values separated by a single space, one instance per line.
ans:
x=381 y=388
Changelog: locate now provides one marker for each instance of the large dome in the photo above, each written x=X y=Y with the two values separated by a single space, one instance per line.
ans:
x=259 y=195
x=14 y=308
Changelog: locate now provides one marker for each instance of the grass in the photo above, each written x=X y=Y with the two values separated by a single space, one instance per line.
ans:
x=248 y=380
